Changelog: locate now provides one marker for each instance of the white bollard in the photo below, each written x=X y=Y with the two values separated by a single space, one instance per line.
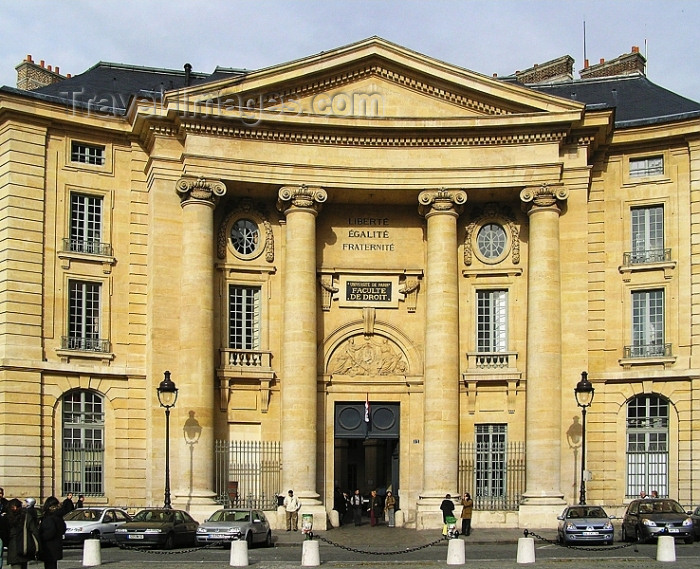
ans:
x=526 y=550
x=239 y=553
x=456 y=552
x=334 y=518
x=92 y=553
x=666 y=548
x=310 y=556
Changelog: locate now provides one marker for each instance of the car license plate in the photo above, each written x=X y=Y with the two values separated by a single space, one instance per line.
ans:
x=135 y=536
x=672 y=530
x=590 y=533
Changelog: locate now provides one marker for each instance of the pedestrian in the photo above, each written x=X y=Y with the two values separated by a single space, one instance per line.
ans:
x=654 y=493
x=375 y=508
x=29 y=505
x=339 y=505
x=291 y=508
x=643 y=495
x=81 y=502
x=51 y=532
x=356 y=504
x=23 y=536
x=389 y=508
x=467 y=507
x=448 y=507
x=68 y=505
x=3 y=522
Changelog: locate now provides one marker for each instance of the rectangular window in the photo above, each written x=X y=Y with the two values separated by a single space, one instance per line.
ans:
x=244 y=317
x=649 y=166
x=491 y=460
x=647 y=445
x=87 y=153
x=85 y=224
x=648 y=234
x=83 y=443
x=647 y=324
x=84 y=316
x=491 y=321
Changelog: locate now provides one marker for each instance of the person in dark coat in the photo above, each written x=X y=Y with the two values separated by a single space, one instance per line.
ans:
x=447 y=507
x=16 y=517
x=51 y=532
x=68 y=504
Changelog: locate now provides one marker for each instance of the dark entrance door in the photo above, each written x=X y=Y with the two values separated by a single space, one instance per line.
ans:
x=367 y=447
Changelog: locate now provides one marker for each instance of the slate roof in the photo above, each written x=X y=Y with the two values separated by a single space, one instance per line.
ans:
x=636 y=100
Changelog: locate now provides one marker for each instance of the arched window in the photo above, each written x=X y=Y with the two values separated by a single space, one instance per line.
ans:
x=647 y=445
x=83 y=443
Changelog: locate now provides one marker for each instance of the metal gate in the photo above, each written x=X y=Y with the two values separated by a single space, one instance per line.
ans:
x=248 y=473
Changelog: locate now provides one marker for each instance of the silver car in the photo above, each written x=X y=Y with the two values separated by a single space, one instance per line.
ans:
x=585 y=524
x=93 y=523
x=232 y=524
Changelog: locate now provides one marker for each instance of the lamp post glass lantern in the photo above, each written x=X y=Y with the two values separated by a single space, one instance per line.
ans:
x=584 y=393
x=167 y=396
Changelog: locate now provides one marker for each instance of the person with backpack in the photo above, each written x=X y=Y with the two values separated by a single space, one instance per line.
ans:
x=51 y=532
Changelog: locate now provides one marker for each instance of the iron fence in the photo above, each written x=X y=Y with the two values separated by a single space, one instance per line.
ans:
x=248 y=473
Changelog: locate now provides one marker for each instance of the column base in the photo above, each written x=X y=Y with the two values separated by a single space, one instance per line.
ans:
x=540 y=512
x=428 y=512
x=200 y=506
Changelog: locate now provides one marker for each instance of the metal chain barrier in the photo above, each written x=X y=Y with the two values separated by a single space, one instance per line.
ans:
x=364 y=552
x=599 y=548
x=147 y=549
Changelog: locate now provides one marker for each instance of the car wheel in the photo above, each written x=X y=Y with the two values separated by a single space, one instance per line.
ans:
x=95 y=534
x=623 y=535
x=249 y=539
x=169 y=541
x=268 y=539
x=640 y=537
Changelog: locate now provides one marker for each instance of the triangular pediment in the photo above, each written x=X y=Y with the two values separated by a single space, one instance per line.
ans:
x=373 y=80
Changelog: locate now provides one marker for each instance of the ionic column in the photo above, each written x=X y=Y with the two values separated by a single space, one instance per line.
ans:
x=441 y=209
x=300 y=205
x=193 y=482
x=543 y=397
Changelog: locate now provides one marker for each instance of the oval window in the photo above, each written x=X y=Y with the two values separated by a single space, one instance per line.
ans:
x=245 y=236
x=491 y=241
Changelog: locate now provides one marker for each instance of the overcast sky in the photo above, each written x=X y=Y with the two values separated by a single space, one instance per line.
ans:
x=486 y=36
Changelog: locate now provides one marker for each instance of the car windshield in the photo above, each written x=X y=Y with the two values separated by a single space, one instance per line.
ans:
x=586 y=513
x=157 y=516
x=667 y=507
x=83 y=515
x=230 y=516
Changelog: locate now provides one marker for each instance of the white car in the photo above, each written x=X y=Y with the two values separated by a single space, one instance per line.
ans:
x=232 y=524
x=93 y=523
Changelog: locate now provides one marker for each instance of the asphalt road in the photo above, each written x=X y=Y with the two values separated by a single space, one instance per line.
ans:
x=488 y=555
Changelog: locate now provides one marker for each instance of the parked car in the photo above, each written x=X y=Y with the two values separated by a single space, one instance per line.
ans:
x=695 y=516
x=158 y=527
x=93 y=523
x=585 y=524
x=650 y=517
x=232 y=524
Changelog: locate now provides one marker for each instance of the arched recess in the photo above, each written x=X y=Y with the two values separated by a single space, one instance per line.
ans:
x=381 y=350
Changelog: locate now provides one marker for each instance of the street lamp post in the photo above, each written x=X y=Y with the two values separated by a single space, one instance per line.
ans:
x=167 y=396
x=583 y=392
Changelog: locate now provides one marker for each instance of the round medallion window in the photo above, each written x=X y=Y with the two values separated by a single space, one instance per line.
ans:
x=245 y=236
x=491 y=241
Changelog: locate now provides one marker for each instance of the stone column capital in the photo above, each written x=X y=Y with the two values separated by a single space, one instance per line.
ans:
x=545 y=195
x=303 y=196
x=441 y=200
x=199 y=190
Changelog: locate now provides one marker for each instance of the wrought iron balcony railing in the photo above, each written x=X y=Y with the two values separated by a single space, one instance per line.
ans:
x=85 y=344
x=647 y=256
x=647 y=351
x=86 y=247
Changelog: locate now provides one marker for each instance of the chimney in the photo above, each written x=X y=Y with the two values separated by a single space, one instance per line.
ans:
x=188 y=74
x=556 y=70
x=31 y=76
x=632 y=63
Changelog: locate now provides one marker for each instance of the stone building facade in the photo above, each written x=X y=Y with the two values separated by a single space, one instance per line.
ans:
x=389 y=269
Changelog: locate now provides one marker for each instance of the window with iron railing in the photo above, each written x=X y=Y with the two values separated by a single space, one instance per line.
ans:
x=84 y=318
x=647 y=445
x=86 y=226
x=83 y=443
x=647 y=325
x=647 y=232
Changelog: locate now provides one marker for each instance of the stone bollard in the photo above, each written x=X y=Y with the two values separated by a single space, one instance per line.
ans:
x=310 y=556
x=92 y=553
x=666 y=548
x=239 y=553
x=526 y=550
x=456 y=552
x=334 y=518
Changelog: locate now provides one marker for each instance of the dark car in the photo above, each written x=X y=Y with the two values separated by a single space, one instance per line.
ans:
x=93 y=523
x=695 y=516
x=227 y=525
x=650 y=517
x=585 y=524
x=158 y=527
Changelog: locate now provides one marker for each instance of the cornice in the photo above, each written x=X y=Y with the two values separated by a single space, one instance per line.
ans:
x=436 y=139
